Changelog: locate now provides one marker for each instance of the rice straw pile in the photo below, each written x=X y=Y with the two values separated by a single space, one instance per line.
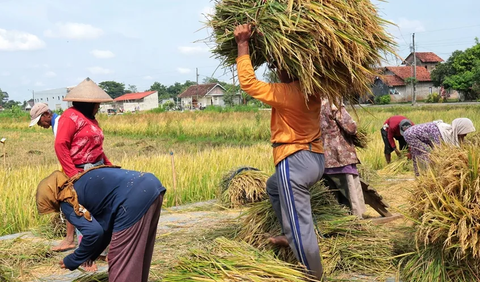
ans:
x=445 y=206
x=18 y=256
x=331 y=46
x=243 y=186
x=232 y=261
x=346 y=244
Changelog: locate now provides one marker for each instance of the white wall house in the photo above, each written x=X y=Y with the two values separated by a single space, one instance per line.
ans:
x=203 y=95
x=53 y=98
x=133 y=102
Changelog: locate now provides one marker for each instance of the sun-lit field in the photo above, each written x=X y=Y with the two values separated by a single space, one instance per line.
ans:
x=204 y=145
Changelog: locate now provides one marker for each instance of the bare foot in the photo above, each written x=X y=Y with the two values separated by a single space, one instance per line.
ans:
x=89 y=266
x=280 y=241
x=65 y=245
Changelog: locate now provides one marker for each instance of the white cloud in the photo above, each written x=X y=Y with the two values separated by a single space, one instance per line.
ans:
x=189 y=50
x=50 y=74
x=102 y=54
x=184 y=70
x=74 y=31
x=147 y=77
x=13 y=40
x=406 y=25
x=99 y=70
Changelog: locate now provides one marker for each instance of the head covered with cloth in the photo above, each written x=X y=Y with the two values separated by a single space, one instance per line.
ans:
x=109 y=206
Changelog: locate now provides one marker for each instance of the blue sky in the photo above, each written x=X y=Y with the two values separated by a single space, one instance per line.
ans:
x=56 y=43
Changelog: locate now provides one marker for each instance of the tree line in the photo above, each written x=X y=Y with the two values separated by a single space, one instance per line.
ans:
x=461 y=72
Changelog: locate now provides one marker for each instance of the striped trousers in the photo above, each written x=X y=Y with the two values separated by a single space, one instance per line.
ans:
x=288 y=190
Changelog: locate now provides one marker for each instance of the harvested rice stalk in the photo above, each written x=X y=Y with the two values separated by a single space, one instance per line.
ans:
x=345 y=243
x=398 y=166
x=259 y=221
x=431 y=264
x=232 y=261
x=243 y=186
x=445 y=201
x=331 y=46
x=20 y=255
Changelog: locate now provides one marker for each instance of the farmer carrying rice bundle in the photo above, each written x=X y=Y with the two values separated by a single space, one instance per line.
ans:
x=331 y=47
x=297 y=152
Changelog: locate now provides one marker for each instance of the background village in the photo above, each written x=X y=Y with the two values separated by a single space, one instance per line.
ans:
x=208 y=143
x=396 y=83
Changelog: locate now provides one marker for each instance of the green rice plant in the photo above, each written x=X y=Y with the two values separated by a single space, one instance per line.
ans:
x=332 y=47
x=227 y=260
x=243 y=186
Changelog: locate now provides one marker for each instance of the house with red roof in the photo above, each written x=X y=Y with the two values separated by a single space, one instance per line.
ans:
x=203 y=95
x=395 y=81
x=427 y=60
x=134 y=102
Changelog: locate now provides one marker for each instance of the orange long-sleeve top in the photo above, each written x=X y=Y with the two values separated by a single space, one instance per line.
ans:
x=294 y=123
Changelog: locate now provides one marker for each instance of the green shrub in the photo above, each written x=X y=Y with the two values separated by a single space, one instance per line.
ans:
x=383 y=100
x=434 y=98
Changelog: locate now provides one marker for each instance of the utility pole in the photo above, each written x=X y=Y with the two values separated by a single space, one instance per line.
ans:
x=414 y=97
x=196 y=74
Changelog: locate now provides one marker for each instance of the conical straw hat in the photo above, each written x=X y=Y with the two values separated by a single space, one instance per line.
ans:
x=87 y=91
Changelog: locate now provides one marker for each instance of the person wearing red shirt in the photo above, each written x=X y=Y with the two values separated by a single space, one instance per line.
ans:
x=393 y=128
x=79 y=139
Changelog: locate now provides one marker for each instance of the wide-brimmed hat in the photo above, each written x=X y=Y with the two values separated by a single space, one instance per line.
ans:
x=87 y=91
x=36 y=112
x=404 y=125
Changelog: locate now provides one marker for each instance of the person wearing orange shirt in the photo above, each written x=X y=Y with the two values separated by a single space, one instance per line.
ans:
x=297 y=152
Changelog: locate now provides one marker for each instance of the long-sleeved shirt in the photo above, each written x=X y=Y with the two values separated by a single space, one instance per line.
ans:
x=336 y=125
x=54 y=123
x=393 y=128
x=295 y=123
x=116 y=199
x=79 y=141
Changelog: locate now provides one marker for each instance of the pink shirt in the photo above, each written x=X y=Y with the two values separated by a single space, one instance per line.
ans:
x=79 y=141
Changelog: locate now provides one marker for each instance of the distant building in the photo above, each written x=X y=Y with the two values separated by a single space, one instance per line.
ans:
x=203 y=95
x=53 y=98
x=134 y=102
x=427 y=60
x=394 y=82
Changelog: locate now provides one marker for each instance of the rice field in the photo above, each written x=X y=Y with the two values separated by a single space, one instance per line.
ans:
x=205 y=146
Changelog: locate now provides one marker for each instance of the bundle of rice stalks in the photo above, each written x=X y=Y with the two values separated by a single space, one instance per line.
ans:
x=445 y=200
x=227 y=260
x=366 y=172
x=431 y=264
x=445 y=205
x=243 y=186
x=331 y=46
x=259 y=221
x=19 y=255
x=346 y=244
x=398 y=166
